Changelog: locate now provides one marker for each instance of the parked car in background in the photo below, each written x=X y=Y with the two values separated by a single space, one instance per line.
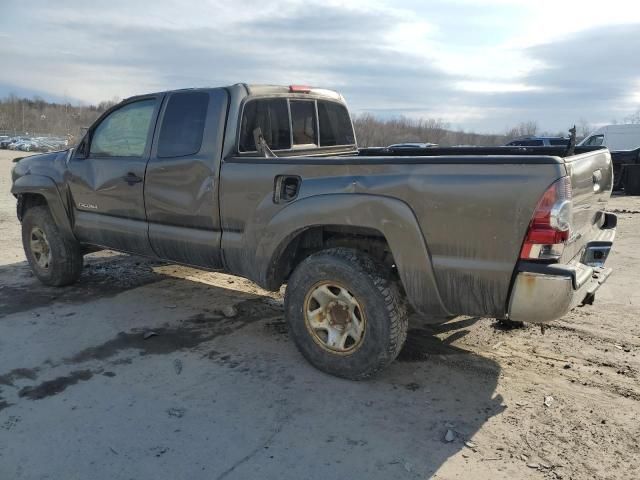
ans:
x=36 y=144
x=49 y=144
x=412 y=145
x=532 y=141
x=27 y=146
x=20 y=143
x=623 y=141
x=7 y=142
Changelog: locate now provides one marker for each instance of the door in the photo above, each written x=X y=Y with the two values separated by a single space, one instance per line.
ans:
x=106 y=178
x=182 y=182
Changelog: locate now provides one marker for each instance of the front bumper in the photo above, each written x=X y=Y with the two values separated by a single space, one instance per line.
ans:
x=542 y=293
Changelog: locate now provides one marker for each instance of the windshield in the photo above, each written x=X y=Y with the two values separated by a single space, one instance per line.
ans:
x=594 y=140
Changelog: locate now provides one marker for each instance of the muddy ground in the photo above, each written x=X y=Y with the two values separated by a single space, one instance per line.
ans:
x=83 y=394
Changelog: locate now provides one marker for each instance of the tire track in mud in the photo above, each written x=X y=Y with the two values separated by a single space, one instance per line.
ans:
x=189 y=334
x=98 y=280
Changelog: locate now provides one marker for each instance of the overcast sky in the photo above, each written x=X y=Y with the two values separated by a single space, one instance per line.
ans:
x=478 y=65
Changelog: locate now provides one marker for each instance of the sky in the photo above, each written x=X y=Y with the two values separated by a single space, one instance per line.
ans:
x=482 y=66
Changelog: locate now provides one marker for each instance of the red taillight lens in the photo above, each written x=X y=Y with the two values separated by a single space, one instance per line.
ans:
x=550 y=226
x=299 y=89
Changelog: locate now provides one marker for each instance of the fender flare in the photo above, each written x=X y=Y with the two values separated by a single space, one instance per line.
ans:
x=45 y=186
x=390 y=216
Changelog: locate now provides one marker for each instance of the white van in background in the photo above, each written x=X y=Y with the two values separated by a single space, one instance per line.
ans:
x=615 y=137
x=623 y=141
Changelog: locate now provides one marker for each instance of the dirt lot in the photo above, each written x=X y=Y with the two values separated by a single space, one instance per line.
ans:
x=83 y=394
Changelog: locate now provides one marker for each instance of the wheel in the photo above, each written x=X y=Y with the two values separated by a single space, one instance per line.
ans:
x=345 y=314
x=55 y=260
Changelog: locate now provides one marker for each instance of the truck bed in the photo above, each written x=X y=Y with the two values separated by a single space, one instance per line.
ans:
x=551 y=151
x=471 y=206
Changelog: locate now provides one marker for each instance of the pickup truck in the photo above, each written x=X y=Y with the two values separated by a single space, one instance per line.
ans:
x=268 y=183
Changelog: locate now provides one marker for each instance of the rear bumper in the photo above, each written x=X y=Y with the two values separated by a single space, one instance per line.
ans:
x=542 y=293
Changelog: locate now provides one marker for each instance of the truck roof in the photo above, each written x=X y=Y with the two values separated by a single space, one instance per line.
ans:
x=261 y=90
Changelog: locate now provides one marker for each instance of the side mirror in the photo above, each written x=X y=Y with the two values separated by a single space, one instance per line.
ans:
x=82 y=150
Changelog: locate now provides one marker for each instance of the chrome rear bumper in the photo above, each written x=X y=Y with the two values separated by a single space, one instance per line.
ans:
x=541 y=297
x=545 y=292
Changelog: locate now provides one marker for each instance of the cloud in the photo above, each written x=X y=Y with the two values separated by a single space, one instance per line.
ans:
x=322 y=45
x=591 y=75
x=480 y=67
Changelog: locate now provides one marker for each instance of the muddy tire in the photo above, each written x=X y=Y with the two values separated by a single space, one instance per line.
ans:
x=346 y=314
x=55 y=260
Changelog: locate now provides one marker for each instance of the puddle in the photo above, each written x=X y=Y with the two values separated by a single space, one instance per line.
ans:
x=55 y=386
x=18 y=374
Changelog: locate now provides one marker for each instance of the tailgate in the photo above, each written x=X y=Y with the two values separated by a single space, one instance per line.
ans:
x=591 y=177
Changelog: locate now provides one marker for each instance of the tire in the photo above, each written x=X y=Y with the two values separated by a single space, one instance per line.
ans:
x=57 y=261
x=359 y=297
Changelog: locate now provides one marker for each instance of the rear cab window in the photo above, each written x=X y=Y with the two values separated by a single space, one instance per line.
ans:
x=335 y=124
x=271 y=116
x=183 y=124
x=292 y=123
x=304 y=127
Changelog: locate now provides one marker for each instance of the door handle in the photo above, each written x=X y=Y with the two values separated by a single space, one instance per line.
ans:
x=131 y=178
x=286 y=188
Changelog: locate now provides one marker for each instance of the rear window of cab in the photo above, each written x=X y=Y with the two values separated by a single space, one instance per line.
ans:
x=292 y=123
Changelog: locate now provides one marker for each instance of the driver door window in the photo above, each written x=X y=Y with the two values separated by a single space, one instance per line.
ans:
x=124 y=132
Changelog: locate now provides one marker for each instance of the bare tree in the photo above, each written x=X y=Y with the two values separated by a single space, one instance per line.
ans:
x=523 y=129
x=633 y=118
x=584 y=128
x=377 y=132
x=36 y=116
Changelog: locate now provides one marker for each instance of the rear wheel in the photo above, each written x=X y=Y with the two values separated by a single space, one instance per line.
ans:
x=56 y=261
x=345 y=312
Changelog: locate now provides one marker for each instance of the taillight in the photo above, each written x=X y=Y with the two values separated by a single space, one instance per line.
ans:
x=299 y=89
x=550 y=226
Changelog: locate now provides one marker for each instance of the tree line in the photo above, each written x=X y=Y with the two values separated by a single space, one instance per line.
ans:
x=372 y=131
x=36 y=116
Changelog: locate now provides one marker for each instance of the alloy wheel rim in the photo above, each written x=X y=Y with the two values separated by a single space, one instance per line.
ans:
x=334 y=318
x=40 y=247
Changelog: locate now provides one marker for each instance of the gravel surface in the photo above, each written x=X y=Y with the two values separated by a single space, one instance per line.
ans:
x=137 y=373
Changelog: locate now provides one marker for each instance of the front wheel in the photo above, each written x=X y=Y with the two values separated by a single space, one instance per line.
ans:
x=345 y=314
x=56 y=261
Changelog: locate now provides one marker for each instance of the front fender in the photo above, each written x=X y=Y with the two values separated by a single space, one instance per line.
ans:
x=392 y=217
x=45 y=186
